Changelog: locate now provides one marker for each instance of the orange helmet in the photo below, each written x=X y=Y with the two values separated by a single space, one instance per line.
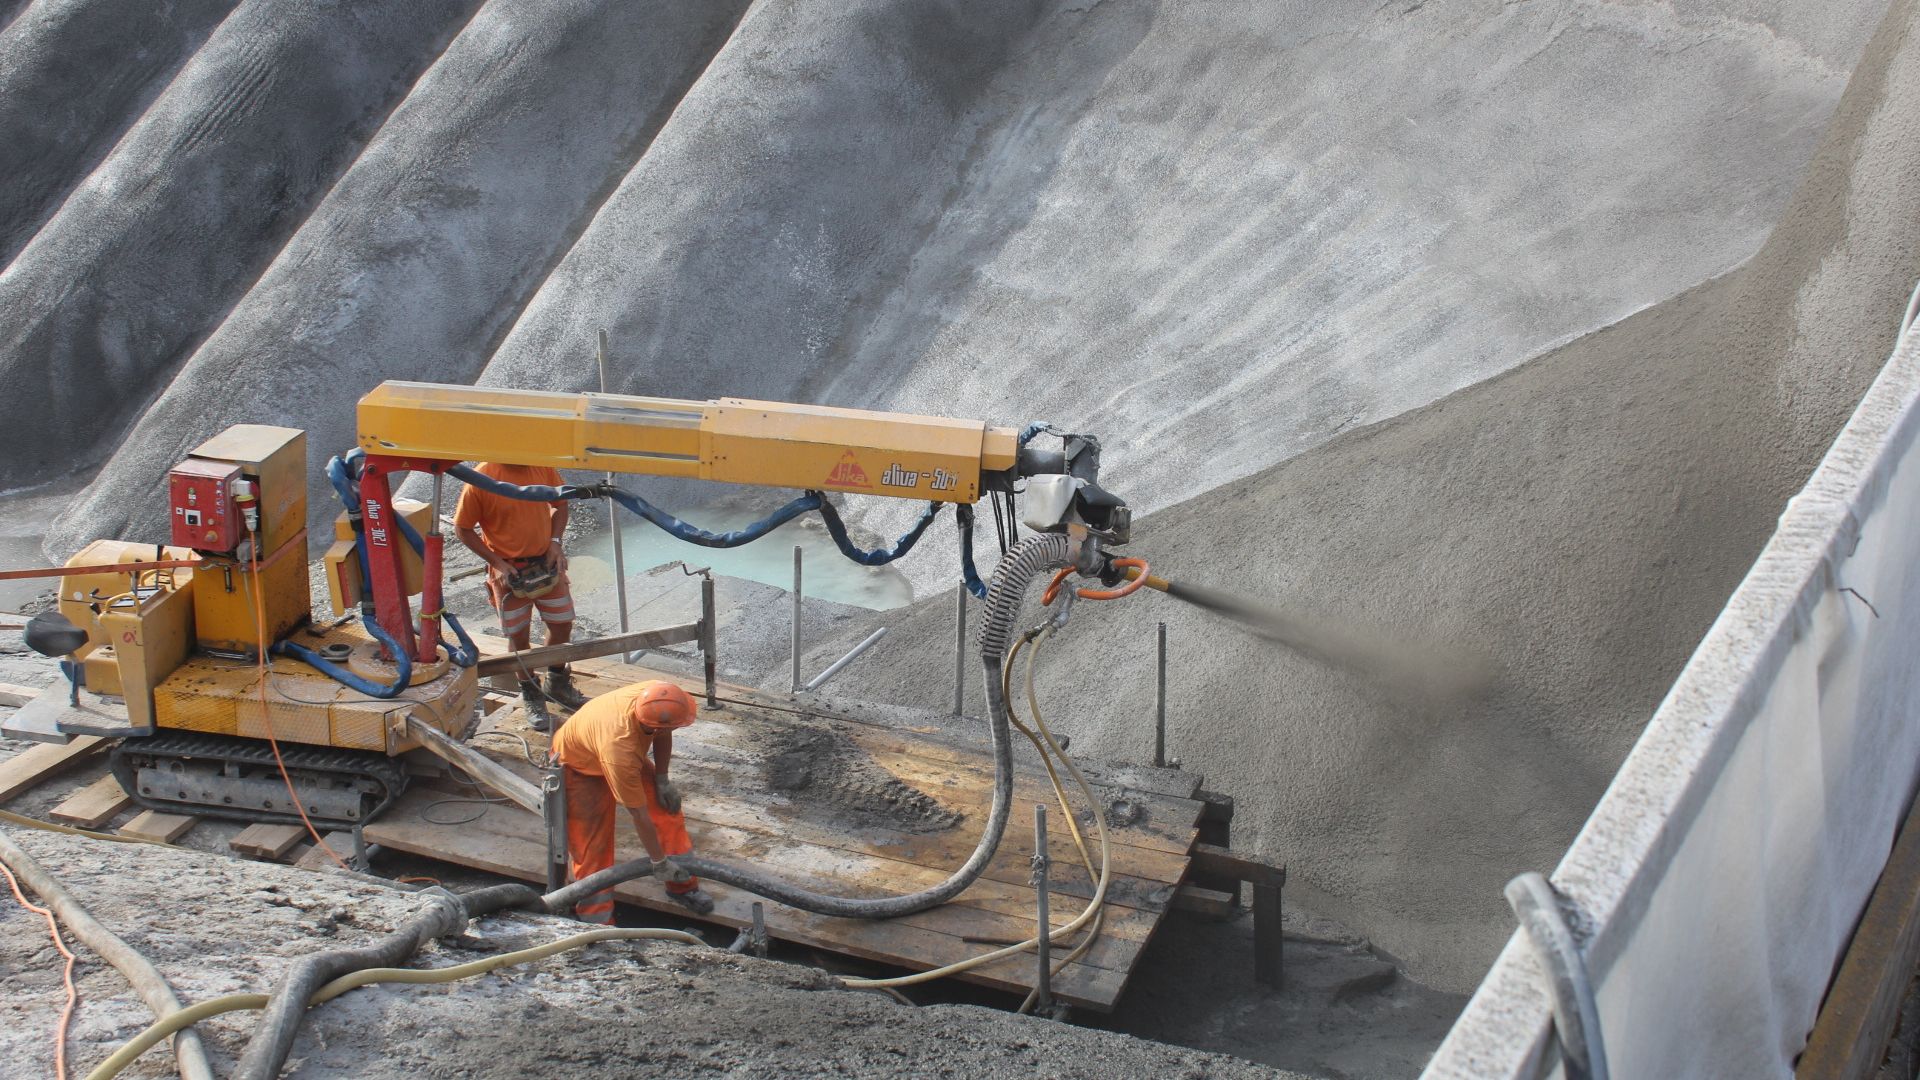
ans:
x=662 y=706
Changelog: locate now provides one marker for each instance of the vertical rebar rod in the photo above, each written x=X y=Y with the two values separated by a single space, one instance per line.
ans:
x=959 y=651
x=796 y=618
x=613 y=520
x=709 y=637
x=1160 y=707
x=1043 y=972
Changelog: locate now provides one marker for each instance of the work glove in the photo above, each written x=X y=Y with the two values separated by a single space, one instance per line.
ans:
x=672 y=872
x=668 y=794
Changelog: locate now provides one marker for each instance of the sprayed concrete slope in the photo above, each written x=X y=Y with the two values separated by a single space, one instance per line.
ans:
x=148 y=254
x=1579 y=521
x=73 y=75
x=421 y=255
x=218 y=925
x=1217 y=234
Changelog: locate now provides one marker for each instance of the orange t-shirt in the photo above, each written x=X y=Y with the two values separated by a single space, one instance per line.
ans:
x=512 y=528
x=603 y=739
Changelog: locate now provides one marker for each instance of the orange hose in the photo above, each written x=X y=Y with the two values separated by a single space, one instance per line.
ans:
x=1134 y=583
x=266 y=711
x=73 y=993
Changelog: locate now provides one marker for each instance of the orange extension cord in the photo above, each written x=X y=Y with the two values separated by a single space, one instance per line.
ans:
x=73 y=994
x=266 y=713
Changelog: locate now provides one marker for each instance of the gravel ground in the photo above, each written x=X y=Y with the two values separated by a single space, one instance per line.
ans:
x=219 y=926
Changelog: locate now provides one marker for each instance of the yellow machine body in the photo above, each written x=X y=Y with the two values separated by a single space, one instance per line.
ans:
x=225 y=601
x=139 y=627
x=221 y=696
x=731 y=440
x=343 y=565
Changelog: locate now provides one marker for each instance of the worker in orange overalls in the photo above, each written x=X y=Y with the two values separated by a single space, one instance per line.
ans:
x=603 y=752
x=526 y=571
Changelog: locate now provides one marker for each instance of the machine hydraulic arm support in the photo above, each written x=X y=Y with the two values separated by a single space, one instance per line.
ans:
x=430 y=428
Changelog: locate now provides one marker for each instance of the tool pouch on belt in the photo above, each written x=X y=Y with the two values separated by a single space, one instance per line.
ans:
x=531 y=578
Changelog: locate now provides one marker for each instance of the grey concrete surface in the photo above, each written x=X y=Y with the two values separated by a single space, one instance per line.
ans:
x=1578 y=522
x=1216 y=234
x=219 y=925
x=146 y=255
x=424 y=251
x=73 y=75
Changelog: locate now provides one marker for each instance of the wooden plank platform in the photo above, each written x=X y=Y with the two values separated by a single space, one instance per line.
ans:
x=94 y=805
x=154 y=825
x=264 y=841
x=26 y=769
x=858 y=808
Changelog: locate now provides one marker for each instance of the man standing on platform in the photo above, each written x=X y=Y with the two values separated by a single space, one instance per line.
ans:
x=519 y=540
x=615 y=752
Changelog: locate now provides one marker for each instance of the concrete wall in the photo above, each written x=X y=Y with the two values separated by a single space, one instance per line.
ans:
x=1717 y=882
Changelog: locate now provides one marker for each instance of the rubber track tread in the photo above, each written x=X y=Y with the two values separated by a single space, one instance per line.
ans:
x=359 y=764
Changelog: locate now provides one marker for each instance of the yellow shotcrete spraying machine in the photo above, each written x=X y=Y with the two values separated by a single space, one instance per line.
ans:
x=229 y=700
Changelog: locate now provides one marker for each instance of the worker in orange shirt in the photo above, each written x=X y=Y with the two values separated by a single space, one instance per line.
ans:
x=526 y=571
x=615 y=752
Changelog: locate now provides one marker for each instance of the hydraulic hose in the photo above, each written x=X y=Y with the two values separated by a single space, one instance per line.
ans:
x=402 y=663
x=199 y=1011
x=147 y=981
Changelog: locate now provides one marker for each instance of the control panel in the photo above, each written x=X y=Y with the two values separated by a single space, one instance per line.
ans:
x=200 y=498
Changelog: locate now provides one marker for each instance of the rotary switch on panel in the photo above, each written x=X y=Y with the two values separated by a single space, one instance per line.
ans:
x=200 y=494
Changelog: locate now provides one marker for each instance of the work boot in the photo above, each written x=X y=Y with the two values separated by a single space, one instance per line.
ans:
x=560 y=690
x=696 y=901
x=536 y=706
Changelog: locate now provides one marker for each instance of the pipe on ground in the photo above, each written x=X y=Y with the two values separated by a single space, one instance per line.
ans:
x=146 y=979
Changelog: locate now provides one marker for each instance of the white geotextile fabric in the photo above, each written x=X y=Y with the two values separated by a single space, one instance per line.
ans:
x=1718 y=881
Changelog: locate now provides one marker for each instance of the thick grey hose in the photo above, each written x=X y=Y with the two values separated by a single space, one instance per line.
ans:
x=1032 y=557
x=273 y=1038
x=147 y=981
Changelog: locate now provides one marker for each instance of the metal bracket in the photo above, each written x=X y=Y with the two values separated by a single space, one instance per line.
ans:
x=1576 y=1015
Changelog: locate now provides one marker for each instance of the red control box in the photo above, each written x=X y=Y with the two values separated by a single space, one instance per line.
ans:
x=200 y=495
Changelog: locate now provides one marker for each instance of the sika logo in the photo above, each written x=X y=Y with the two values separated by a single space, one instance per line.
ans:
x=848 y=473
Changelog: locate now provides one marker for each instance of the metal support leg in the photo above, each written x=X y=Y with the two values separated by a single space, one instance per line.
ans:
x=1160 y=707
x=362 y=860
x=613 y=520
x=1043 y=973
x=796 y=619
x=959 y=651
x=1266 y=934
x=553 y=808
x=709 y=635
x=757 y=940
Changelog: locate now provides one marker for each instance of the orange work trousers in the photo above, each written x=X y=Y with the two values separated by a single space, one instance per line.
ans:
x=592 y=815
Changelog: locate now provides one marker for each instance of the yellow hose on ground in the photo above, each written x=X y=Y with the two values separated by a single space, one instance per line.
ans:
x=35 y=823
x=1071 y=928
x=195 y=1013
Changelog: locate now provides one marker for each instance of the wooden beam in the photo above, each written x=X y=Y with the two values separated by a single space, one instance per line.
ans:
x=94 y=805
x=26 y=769
x=477 y=765
x=14 y=695
x=1850 y=1037
x=154 y=825
x=1214 y=861
x=1208 y=903
x=549 y=655
x=263 y=841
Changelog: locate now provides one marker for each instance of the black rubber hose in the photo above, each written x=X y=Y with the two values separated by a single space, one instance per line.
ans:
x=1032 y=557
x=267 y=1051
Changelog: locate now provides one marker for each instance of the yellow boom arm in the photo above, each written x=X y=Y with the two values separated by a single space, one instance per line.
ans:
x=730 y=440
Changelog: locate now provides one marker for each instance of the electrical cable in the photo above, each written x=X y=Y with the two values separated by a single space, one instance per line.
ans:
x=199 y=1011
x=73 y=994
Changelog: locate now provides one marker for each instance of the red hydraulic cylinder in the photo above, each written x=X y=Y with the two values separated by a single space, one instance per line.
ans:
x=430 y=600
x=383 y=553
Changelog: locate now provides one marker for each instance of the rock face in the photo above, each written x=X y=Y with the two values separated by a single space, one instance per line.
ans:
x=1218 y=235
